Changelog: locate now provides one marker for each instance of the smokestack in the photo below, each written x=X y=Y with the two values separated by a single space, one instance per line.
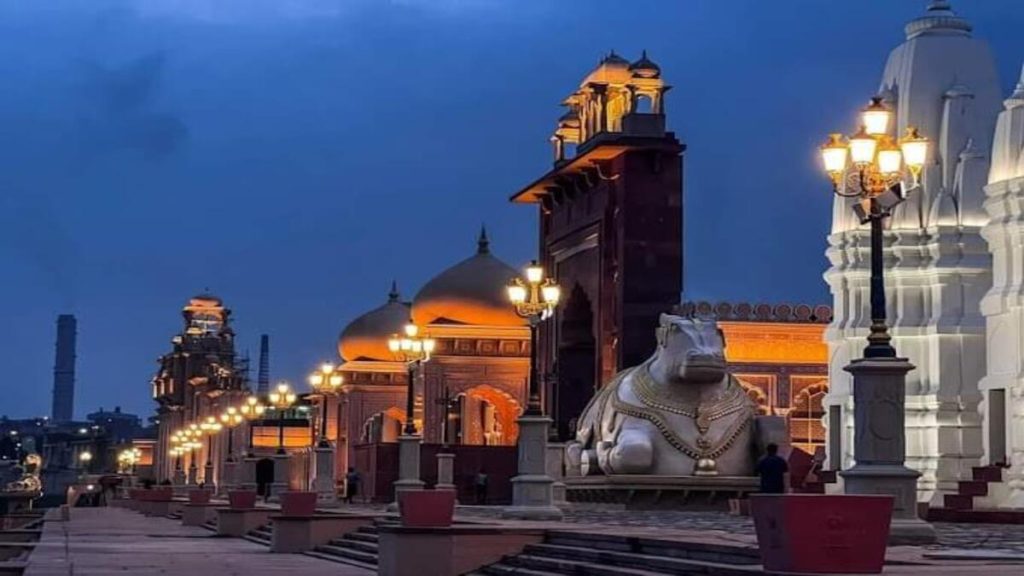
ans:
x=263 y=377
x=64 y=370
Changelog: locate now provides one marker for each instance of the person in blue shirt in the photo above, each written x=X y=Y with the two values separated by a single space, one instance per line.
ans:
x=772 y=469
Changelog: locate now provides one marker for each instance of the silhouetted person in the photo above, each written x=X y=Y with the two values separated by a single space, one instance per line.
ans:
x=352 y=480
x=772 y=469
x=480 y=486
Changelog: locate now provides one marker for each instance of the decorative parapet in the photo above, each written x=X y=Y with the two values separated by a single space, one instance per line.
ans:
x=747 y=312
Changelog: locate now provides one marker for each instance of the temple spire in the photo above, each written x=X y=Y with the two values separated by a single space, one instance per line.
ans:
x=483 y=244
x=393 y=295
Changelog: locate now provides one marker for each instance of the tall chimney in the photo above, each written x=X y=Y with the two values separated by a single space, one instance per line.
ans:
x=64 y=370
x=263 y=377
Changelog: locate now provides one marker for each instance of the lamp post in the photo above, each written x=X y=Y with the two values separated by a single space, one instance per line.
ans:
x=534 y=299
x=252 y=410
x=195 y=443
x=414 y=349
x=873 y=169
x=325 y=382
x=209 y=427
x=84 y=460
x=281 y=399
x=230 y=419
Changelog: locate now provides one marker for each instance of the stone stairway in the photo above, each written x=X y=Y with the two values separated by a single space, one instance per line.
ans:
x=355 y=548
x=211 y=525
x=962 y=507
x=262 y=535
x=577 y=554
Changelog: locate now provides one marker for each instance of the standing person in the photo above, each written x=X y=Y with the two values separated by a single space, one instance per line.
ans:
x=772 y=469
x=352 y=480
x=480 y=483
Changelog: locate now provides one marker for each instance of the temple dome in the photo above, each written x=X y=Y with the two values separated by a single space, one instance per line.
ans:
x=613 y=69
x=470 y=292
x=366 y=337
x=645 y=67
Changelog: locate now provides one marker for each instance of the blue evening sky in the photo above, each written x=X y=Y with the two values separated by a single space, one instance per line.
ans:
x=294 y=156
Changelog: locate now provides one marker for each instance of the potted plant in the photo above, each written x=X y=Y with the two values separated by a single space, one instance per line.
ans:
x=298 y=503
x=426 y=508
x=818 y=533
x=242 y=499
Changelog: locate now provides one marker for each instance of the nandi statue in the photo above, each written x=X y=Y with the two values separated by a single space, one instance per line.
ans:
x=680 y=413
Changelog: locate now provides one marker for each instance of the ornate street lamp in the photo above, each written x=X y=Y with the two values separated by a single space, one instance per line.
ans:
x=252 y=410
x=128 y=458
x=876 y=170
x=413 y=349
x=325 y=382
x=534 y=299
x=231 y=418
x=84 y=459
x=281 y=399
x=210 y=427
x=872 y=166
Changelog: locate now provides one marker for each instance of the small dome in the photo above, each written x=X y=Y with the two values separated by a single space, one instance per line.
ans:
x=613 y=69
x=470 y=292
x=644 y=67
x=366 y=337
x=939 y=19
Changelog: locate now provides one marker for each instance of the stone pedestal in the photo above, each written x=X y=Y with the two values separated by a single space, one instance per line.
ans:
x=323 y=481
x=408 y=466
x=198 y=514
x=208 y=477
x=532 y=487
x=245 y=474
x=293 y=535
x=193 y=474
x=230 y=476
x=282 y=472
x=179 y=477
x=880 y=445
x=239 y=522
x=555 y=467
x=445 y=471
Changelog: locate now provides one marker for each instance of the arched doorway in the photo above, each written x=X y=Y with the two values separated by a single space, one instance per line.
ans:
x=264 y=476
x=805 y=428
x=485 y=416
x=576 y=362
x=383 y=426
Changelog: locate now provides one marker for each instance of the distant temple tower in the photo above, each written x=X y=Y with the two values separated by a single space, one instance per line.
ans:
x=944 y=82
x=611 y=229
x=63 y=409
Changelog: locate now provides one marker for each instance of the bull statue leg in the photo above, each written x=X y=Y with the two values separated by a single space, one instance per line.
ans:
x=631 y=453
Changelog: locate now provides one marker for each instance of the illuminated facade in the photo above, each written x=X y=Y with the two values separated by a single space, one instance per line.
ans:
x=198 y=378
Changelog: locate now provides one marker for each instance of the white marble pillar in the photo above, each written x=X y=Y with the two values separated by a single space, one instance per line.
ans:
x=230 y=477
x=532 y=487
x=445 y=471
x=408 y=466
x=246 y=477
x=879 y=395
x=193 y=473
x=282 y=473
x=208 y=477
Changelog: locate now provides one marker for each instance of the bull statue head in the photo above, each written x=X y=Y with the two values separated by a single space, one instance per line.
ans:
x=690 y=349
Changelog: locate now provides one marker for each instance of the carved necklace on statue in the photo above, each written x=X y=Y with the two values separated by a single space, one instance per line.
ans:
x=729 y=402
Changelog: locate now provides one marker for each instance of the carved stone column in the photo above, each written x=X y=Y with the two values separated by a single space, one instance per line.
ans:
x=408 y=466
x=555 y=466
x=532 y=487
x=445 y=471
x=880 y=445
x=323 y=482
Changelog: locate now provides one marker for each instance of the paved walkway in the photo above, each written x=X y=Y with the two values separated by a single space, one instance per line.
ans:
x=106 y=541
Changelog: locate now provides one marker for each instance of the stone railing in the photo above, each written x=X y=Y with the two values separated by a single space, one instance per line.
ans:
x=747 y=312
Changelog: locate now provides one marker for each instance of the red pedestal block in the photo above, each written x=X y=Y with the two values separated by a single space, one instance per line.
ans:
x=242 y=499
x=426 y=508
x=298 y=503
x=817 y=533
x=199 y=496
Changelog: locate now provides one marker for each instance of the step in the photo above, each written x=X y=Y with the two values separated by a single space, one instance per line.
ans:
x=549 y=565
x=341 y=552
x=343 y=542
x=987 y=473
x=972 y=488
x=368 y=529
x=500 y=569
x=646 y=563
x=362 y=537
x=340 y=560
x=704 y=551
x=975 y=516
x=958 y=501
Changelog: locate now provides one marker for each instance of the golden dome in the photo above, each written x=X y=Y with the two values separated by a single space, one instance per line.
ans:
x=366 y=337
x=470 y=292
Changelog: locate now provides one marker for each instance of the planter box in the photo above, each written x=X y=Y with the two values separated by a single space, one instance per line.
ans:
x=426 y=508
x=242 y=499
x=158 y=495
x=199 y=496
x=298 y=503
x=817 y=533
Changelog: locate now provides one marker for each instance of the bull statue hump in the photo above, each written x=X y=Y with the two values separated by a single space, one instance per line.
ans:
x=680 y=413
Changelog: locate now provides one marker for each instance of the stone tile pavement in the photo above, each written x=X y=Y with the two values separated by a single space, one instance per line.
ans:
x=107 y=541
